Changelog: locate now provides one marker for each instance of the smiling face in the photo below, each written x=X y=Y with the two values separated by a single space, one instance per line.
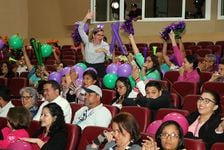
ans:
x=153 y=92
x=148 y=63
x=88 y=80
x=27 y=100
x=46 y=118
x=98 y=37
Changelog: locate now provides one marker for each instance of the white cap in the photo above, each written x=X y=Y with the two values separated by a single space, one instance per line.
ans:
x=95 y=89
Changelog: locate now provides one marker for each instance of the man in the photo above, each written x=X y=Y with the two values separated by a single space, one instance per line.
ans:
x=218 y=76
x=135 y=12
x=52 y=95
x=208 y=65
x=93 y=113
x=5 y=103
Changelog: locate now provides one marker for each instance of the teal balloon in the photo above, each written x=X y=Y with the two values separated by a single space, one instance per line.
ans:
x=84 y=67
x=15 y=42
x=109 y=80
x=46 y=50
x=132 y=81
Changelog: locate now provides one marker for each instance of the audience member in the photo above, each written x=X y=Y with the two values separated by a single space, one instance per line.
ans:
x=208 y=64
x=168 y=136
x=6 y=70
x=206 y=123
x=96 y=49
x=150 y=68
x=51 y=91
x=5 y=103
x=219 y=75
x=93 y=113
x=29 y=98
x=53 y=132
x=21 y=65
x=18 y=120
x=124 y=135
x=74 y=92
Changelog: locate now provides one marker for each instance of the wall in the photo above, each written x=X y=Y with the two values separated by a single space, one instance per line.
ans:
x=53 y=19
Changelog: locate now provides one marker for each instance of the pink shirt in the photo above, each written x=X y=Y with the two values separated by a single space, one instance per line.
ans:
x=10 y=136
x=178 y=55
x=195 y=127
x=192 y=76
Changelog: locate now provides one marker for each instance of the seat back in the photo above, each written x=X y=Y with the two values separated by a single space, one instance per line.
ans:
x=88 y=135
x=175 y=100
x=15 y=84
x=190 y=103
x=113 y=109
x=16 y=102
x=3 y=122
x=205 y=76
x=141 y=114
x=164 y=111
x=217 y=146
x=183 y=88
x=194 y=144
x=202 y=52
x=171 y=77
x=214 y=86
x=75 y=107
x=34 y=126
x=74 y=133
x=108 y=95
x=4 y=81
x=204 y=44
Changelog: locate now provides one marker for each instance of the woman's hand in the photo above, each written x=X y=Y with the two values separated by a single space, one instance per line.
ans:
x=181 y=70
x=172 y=35
x=89 y=15
x=215 y=75
x=135 y=72
x=100 y=50
x=37 y=141
x=149 y=144
x=220 y=127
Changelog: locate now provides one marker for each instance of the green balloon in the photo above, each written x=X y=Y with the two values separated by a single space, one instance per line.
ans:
x=46 y=50
x=15 y=42
x=132 y=81
x=109 y=80
x=84 y=67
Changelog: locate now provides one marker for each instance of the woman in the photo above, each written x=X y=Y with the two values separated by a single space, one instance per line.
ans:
x=18 y=120
x=156 y=96
x=29 y=98
x=53 y=131
x=125 y=134
x=6 y=70
x=169 y=136
x=206 y=123
x=96 y=49
x=74 y=92
x=150 y=68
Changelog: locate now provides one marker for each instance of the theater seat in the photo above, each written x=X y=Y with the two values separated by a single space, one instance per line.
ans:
x=113 y=109
x=141 y=114
x=75 y=107
x=108 y=95
x=15 y=84
x=88 y=135
x=164 y=111
x=190 y=103
x=194 y=144
x=74 y=133
x=34 y=126
x=217 y=146
x=3 y=122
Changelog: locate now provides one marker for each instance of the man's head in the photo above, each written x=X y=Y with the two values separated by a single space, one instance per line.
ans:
x=51 y=90
x=221 y=67
x=209 y=60
x=93 y=96
x=4 y=95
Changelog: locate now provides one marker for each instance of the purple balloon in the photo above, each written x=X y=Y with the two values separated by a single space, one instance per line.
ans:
x=124 y=70
x=112 y=68
x=56 y=76
x=91 y=68
x=79 y=81
x=1 y=43
x=20 y=145
x=65 y=70
x=79 y=70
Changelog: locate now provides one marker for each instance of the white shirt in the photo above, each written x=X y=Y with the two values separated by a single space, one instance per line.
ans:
x=4 y=110
x=65 y=106
x=98 y=116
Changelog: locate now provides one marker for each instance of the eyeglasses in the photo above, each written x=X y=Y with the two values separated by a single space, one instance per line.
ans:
x=205 y=100
x=171 y=135
x=26 y=97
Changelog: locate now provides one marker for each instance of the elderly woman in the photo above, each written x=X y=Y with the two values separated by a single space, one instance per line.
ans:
x=29 y=98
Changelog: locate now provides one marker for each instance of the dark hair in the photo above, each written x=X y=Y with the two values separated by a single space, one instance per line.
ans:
x=94 y=32
x=10 y=73
x=155 y=84
x=127 y=84
x=156 y=65
x=216 y=97
x=54 y=85
x=160 y=130
x=192 y=59
x=40 y=87
x=5 y=93
x=19 y=117
x=91 y=73
x=127 y=121
x=222 y=61
x=59 y=123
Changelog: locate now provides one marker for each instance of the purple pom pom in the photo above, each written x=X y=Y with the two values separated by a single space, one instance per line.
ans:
x=127 y=26
x=75 y=33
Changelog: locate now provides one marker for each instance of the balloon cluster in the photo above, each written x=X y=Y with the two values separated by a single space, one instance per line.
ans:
x=177 y=27
x=41 y=51
x=16 y=42
x=116 y=38
x=79 y=68
x=127 y=26
x=179 y=118
x=75 y=33
x=114 y=71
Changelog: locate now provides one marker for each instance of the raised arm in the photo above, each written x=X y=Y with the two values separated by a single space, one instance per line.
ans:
x=165 y=57
x=133 y=44
x=58 y=61
x=27 y=60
